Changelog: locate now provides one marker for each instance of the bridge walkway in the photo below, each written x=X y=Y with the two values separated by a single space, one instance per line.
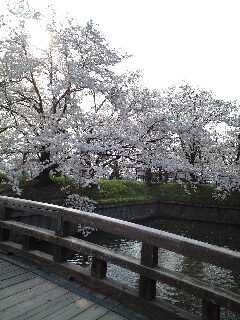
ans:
x=49 y=248
x=29 y=293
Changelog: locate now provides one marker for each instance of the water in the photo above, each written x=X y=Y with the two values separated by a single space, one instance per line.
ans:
x=224 y=236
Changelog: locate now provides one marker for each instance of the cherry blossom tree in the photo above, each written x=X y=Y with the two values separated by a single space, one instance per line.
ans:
x=227 y=151
x=193 y=117
x=64 y=109
x=50 y=93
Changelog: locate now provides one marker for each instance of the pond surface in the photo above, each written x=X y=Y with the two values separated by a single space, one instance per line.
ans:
x=224 y=236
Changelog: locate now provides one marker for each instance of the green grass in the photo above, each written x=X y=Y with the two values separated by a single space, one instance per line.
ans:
x=118 y=191
x=113 y=191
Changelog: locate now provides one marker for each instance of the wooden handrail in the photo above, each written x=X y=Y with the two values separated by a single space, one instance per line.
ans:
x=191 y=285
x=213 y=297
x=213 y=254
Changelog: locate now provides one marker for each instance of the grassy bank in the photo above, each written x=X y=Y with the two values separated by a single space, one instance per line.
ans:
x=115 y=191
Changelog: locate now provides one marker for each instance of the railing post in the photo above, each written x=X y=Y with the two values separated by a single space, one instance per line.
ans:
x=210 y=311
x=28 y=242
x=62 y=230
x=149 y=258
x=98 y=268
x=5 y=214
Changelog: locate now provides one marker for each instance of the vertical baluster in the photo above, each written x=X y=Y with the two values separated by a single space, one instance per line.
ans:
x=62 y=230
x=98 y=268
x=5 y=214
x=28 y=242
x=210 y=311
x=149 y=258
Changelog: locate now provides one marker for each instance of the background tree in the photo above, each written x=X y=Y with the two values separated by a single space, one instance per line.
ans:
x=191 y=113
x=47 y=91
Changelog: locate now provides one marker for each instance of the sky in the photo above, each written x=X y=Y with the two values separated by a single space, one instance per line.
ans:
x=171 y=40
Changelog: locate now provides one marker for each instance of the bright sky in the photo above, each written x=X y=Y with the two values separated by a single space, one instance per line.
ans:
x=171 y=40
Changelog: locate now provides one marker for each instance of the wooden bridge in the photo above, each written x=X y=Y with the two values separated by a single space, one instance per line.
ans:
x=48 y=250
x=27 y=293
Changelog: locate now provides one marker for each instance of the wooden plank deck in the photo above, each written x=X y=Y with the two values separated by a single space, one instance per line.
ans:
x=26 y=293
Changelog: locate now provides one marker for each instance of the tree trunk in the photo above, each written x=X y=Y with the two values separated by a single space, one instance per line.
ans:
x=238 y=150
x=43 y=178
x=116 y=172
x=148 y=176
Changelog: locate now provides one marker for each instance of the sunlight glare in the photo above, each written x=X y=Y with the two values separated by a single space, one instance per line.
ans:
x=39 y=36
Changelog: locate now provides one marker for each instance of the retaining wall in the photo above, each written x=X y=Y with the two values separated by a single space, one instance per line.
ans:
x=171 y=210
x=137 y=211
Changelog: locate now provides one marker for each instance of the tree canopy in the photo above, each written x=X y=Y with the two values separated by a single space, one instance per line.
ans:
x=65 y=109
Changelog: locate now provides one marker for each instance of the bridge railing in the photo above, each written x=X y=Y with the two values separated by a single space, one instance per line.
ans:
x=144 y=299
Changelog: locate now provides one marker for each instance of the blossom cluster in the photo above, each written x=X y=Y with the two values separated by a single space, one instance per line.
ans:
x=64 y=109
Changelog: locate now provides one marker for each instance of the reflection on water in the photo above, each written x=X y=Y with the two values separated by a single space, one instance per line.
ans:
x=224 y=236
